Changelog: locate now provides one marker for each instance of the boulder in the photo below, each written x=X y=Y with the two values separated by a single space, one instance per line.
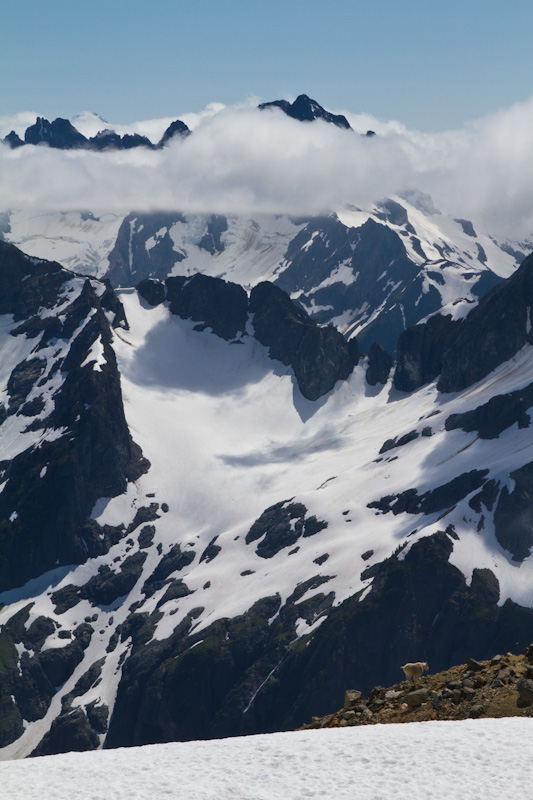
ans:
x=416 y=698
x=525 y=690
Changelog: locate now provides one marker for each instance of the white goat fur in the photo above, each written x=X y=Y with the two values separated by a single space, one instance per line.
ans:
x=415 y=669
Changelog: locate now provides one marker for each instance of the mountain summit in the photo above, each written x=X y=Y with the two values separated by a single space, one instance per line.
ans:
x=306 y=110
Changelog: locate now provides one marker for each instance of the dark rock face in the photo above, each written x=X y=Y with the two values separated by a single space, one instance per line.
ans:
x=98 y=716
x=383 y=277
x=390 y=444
x=211 y=551
x=379 y=365
x=202 y=685
x=40 y=674
x=22 y=380
x=146 y=536
x=59 y=134
x=466 y=351
x=218 y=304
x=363 y=642
x=467 y=227
x=211 y=241
x=38 y=632
x=393 y=212
x=217 y=683
x=445 y=496
x=306 y=110
x=109 y=140
x=13 y=140
x=152 y=290
x=96 y=459
x=495 y=416
x=420 y=352
x=319 y=356
x=107 y=586
x=493 y=332
x=281 y=526
x=175 y=589
x=130 y=262
x=11 y=720
x=174 y=561
x=106 y=140
x=25 y=286
x=70 y=732
x=176 y=128
x=513 y=516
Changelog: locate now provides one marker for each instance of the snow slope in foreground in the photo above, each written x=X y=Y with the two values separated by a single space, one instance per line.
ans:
x=422 y=761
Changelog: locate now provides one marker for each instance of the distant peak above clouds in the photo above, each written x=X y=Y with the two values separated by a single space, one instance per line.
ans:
x=61 y=134
x=305 y=109
x=89 y=130
x=250 y=159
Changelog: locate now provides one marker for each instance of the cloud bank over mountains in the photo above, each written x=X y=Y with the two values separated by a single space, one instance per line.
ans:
x=243 y=160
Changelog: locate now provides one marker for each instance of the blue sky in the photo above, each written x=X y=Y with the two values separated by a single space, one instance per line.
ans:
x=430 y=64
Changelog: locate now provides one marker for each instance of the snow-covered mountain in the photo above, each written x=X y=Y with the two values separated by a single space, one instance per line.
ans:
x=216 y=515
x=247 y=461
x=369 y=273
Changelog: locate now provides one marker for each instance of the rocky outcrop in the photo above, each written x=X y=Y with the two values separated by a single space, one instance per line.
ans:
x=281 y=526
x=496 y=415
x=420 y=352
x=13 y=140
x=109 y=140
x=306 y=110
x=50 y=490
x=492 y=333
x=497 y=687
x=153 y=291
x=217 y=304
x=203 y=685
x=71 y=731
x=445 y=496
x=246 y=675
x=175 y=129
x=59 y=134
x=319 y=356
x=466 y=351
x=355 y=271
x=513 y=516
x=62 y=135
x=379 y=366
x=131 y=261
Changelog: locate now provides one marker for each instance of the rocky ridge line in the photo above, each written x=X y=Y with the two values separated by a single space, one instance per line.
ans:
x=499 y=687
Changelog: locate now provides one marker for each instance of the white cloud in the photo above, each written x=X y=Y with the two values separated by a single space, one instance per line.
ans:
x=17 y=122
x=245 y=160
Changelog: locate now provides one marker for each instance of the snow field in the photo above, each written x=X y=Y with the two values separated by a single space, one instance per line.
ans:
x=467 y=760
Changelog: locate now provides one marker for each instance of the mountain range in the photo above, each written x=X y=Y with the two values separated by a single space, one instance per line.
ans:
x=247 y=462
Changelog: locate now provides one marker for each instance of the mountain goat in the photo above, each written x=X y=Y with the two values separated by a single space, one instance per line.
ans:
x=415 y=669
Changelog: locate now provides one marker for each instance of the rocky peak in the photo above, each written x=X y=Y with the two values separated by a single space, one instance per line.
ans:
x=60 y=134
x=304 y=109
x=176 y=128
x=13 y=140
